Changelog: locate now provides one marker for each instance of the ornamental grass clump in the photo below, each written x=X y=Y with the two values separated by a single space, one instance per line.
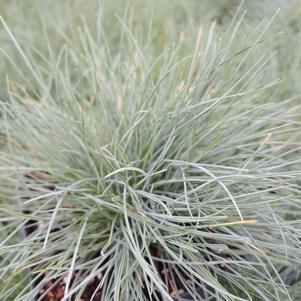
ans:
x=128 y=174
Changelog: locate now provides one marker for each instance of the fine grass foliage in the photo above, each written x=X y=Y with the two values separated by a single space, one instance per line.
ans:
x=162 y=170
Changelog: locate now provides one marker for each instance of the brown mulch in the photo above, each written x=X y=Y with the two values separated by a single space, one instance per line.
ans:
x=54 y=291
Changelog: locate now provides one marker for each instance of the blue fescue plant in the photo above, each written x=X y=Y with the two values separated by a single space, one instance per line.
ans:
x=129 y=173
